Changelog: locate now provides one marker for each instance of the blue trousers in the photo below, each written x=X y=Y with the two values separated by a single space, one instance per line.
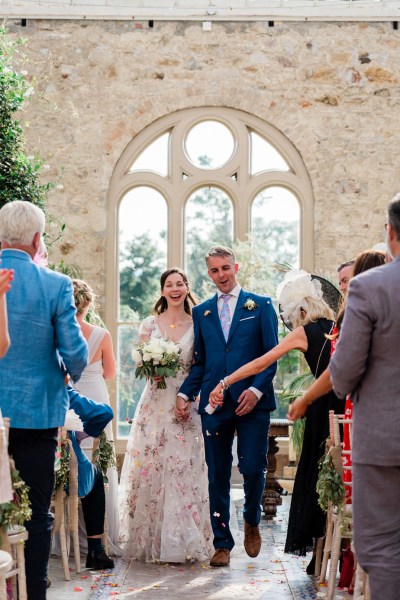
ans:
x=252 y=446
x=33 y=451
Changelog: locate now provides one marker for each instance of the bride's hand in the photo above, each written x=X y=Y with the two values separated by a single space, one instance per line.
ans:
x=217 y=396
x=182 y=409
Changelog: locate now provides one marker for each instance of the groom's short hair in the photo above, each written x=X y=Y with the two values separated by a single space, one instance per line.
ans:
x=220 y=251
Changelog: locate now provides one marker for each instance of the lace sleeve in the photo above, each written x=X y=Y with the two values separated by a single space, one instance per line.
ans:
x=146 y=326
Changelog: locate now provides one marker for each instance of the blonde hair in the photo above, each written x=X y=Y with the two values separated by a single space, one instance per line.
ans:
x=310 y=310
x=84 y=295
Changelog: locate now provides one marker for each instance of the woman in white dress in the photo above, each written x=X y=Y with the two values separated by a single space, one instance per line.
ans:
x=92 y=384
x=164 y=508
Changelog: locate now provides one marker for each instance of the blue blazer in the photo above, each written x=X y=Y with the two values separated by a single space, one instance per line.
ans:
x=44 y=333
x=95 y=417
x=252 y=334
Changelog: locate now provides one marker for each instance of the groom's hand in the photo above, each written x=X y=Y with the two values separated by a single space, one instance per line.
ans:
x=247 y=401
x=182 y=409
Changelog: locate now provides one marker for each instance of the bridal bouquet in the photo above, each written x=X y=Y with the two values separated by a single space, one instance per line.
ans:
x=157 y=357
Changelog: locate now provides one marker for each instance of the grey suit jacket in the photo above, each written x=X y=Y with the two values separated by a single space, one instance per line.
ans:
x=366 y=364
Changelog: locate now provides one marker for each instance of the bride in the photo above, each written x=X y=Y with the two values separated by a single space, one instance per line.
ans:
x=164 y=509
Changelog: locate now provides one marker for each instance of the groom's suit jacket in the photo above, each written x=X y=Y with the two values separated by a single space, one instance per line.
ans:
x=44 y=333
x=252 y=333
x=366 y=364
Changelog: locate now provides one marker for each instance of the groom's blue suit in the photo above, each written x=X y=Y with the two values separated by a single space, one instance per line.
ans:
x=252 y=333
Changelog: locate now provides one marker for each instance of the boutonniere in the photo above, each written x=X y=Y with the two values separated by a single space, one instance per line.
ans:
x=250 y=304
x=206 y=313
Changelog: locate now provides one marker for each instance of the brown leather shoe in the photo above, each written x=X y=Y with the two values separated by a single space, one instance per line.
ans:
x=252 y=540
x=221 y=558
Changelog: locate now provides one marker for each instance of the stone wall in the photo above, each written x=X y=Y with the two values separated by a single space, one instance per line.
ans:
x=331 y=88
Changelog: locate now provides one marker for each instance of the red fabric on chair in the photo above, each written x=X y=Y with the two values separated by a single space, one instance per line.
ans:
x=346 y=574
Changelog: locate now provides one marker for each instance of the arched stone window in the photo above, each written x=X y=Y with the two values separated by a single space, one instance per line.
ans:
x=189 y=180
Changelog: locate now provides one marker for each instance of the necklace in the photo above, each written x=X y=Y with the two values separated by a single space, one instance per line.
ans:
x=172 y=325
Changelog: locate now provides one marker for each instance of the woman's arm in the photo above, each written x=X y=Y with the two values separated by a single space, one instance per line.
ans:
x=320 y=387
x=108 y=358
x=4 y=337
x=6 y=277
x=296 y=340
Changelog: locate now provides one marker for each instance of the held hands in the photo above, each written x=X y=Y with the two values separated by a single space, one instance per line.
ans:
x=182 y=409
x=247 y=401
x=297 y=409
x=217 y=396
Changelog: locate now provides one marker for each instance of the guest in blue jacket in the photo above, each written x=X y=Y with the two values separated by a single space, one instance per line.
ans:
x=94 y=417
x=44 y=335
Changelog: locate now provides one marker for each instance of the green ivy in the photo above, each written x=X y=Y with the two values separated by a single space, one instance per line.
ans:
x=16 y=512
x=104 y=456
x=62 y=474
x=18 y=171
x=330 y=487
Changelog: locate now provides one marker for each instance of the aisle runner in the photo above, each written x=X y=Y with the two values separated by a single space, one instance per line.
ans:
x=107 y=584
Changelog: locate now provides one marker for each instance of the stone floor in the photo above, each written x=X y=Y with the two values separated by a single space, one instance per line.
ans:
x=273 y=575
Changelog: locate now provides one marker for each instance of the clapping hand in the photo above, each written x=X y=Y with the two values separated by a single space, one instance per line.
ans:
x=297 y=409
x=6 y=277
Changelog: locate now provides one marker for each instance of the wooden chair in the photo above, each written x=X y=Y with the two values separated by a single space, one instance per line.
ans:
x=335 y=519
x=66 y=513
x=6 y=563
x=65 y=507
x=17 y=543
x=14 y=542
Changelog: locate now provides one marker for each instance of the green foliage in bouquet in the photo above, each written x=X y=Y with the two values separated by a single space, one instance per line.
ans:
x=16 y=512
x=330 y=485
x=62 y=475
x=157 y=358
x=104 y=456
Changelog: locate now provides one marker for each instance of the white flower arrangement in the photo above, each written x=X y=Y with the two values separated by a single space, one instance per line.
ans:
x=157 y=357
x=250 y=304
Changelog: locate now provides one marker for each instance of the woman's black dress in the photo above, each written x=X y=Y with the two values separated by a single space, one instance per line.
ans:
x=306 y=519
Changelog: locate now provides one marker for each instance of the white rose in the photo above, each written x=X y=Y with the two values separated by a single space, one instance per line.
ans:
x=137 y=357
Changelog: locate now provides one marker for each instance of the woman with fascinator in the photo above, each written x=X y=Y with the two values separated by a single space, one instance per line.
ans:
x=304 y=308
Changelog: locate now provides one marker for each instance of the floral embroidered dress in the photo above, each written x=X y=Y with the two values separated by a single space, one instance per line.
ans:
x=164 y=508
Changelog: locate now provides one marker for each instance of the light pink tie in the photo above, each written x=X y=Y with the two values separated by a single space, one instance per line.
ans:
x=225 y=315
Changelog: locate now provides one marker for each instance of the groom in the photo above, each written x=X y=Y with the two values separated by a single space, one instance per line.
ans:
x=231 y=329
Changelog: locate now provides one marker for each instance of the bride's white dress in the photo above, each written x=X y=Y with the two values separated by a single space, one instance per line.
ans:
x=164 y=508
x=92 y=385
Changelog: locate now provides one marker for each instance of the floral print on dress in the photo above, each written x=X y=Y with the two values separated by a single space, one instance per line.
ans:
x=164 y=508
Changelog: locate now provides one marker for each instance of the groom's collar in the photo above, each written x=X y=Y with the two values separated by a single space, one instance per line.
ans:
x=235 y=292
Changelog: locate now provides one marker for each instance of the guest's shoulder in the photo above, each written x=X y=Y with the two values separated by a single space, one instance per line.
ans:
x=54 y=277
x=375 y=277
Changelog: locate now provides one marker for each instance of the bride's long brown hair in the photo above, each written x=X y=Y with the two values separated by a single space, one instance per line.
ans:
x=161 y=305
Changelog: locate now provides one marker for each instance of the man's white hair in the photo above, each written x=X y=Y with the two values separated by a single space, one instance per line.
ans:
x=20 y=221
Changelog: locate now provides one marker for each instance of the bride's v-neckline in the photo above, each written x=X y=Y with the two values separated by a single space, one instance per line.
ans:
x=179 y=341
